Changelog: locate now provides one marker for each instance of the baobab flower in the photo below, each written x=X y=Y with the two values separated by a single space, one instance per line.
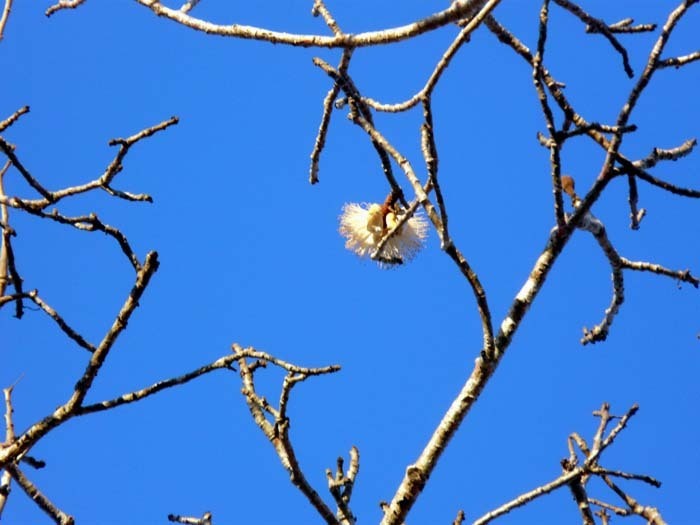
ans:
x=365 y=225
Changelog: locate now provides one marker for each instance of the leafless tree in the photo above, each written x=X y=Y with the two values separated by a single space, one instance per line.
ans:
x=563 y=123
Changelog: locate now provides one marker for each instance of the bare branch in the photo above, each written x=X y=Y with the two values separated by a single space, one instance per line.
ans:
x=626 y=475
x=651 y=514
x=527 y=497
x=430 y=155
x=457 y=10
x=5 y=15
x=9 y=425
x=56 y=514
x=188 y=6
x=9 y=152
x=63 y=4
x=4 y=224
x=278 y=433
x=341 y=485
x=470 y=25
x=624 y=26
x=553 y=142
x=578 y=490
x=600 y=27
x=206 y=518
x=131 y=397
x=576 y=477
x=636 y=214
x=89 y=223
x=143 y=277
x=328 y=102
x=641 y=266
x=320 y=8
x=659 y=154
x=13 y=118
x=8 y=259
x=667 y=186
x=348 y=86
x=72 y=334
x=447 y=244
x=69 y=409
x=679 y=61
x=600 y=331
x=103 y=181
x=5 y=489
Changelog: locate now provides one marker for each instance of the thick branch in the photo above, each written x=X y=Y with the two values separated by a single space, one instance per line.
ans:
x=44 y=503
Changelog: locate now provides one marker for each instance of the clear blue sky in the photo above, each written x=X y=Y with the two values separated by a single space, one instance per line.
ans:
x=250 y=253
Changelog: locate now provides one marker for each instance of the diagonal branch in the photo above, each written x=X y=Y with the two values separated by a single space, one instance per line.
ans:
x=599 y=27
x=65 y=327
x=70 y=408
x=13 y=118
x=44 y=503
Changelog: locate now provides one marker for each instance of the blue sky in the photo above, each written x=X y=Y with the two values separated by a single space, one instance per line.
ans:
x=250 y=253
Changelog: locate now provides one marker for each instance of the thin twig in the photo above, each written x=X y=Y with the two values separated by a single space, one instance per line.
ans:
x=5 y=15
x=4 y=223
x=13 y=118
x=636 y=214
x=357 y=105
x=430 y=154
x=641 y=266
x=188 y=6
x=72 y=334
x=673 y=154
x=63 y=4
x=474 y=21
x=8 y=150
x=553 y=142
x=328 y=102
x=623 y=26
x=600 y=27
x=679 y=61
x=340 y=486
x=319 y=8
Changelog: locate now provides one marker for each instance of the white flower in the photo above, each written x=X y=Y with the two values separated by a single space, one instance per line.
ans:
x=364 y=226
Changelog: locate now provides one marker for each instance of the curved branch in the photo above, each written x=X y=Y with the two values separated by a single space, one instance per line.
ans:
x=457 y=10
